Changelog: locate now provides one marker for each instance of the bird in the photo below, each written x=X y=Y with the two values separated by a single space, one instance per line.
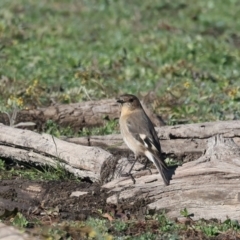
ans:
x=139 y=134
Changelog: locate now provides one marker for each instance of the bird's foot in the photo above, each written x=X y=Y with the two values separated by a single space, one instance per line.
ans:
x=129 y=175
x=146 y=167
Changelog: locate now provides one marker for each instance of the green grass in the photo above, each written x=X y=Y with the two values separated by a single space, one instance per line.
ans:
x=70 y=51
x=159 y=225
x=54 y=129
x=151 y=228
x=27 y=171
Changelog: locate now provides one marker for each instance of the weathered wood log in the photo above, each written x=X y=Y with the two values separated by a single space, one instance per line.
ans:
x=8 y=232
x=184 y=142
x=75 y=115
x=28 y=146
x=208 y=187
x=89 y=162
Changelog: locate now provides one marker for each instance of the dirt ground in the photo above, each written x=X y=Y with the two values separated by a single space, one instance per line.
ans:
x=50 y=202
x=35 y=197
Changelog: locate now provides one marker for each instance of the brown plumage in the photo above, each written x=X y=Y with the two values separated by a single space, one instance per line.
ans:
x=139 y=134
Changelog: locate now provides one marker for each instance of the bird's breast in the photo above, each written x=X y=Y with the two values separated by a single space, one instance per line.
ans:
x=129 y=139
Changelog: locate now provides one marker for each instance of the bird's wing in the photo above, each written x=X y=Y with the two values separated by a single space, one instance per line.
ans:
x=142 y=129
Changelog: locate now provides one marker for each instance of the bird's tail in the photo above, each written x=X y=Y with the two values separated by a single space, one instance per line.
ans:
x=161 y=166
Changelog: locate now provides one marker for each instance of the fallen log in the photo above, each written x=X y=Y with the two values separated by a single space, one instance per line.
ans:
x=44 y=149
x=75 y=115
x=89 y=162
x=208 y=187
x=184 y=142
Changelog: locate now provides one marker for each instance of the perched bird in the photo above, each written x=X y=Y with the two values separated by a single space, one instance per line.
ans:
x=139 y=134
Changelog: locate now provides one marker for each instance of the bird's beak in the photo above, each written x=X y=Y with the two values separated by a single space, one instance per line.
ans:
x=119 y=100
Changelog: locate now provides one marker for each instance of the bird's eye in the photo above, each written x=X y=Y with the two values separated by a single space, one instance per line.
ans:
x=131 y=100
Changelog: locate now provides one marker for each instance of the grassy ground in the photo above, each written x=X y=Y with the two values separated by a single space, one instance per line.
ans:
x=186 y=52
x=69 y=51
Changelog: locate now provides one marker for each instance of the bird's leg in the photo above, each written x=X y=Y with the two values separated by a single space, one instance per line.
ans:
x=135 y=160
x=132 y=177
x=129 y=172
x=145 y=166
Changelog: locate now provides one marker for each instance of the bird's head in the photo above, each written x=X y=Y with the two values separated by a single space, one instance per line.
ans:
x=129 y=102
